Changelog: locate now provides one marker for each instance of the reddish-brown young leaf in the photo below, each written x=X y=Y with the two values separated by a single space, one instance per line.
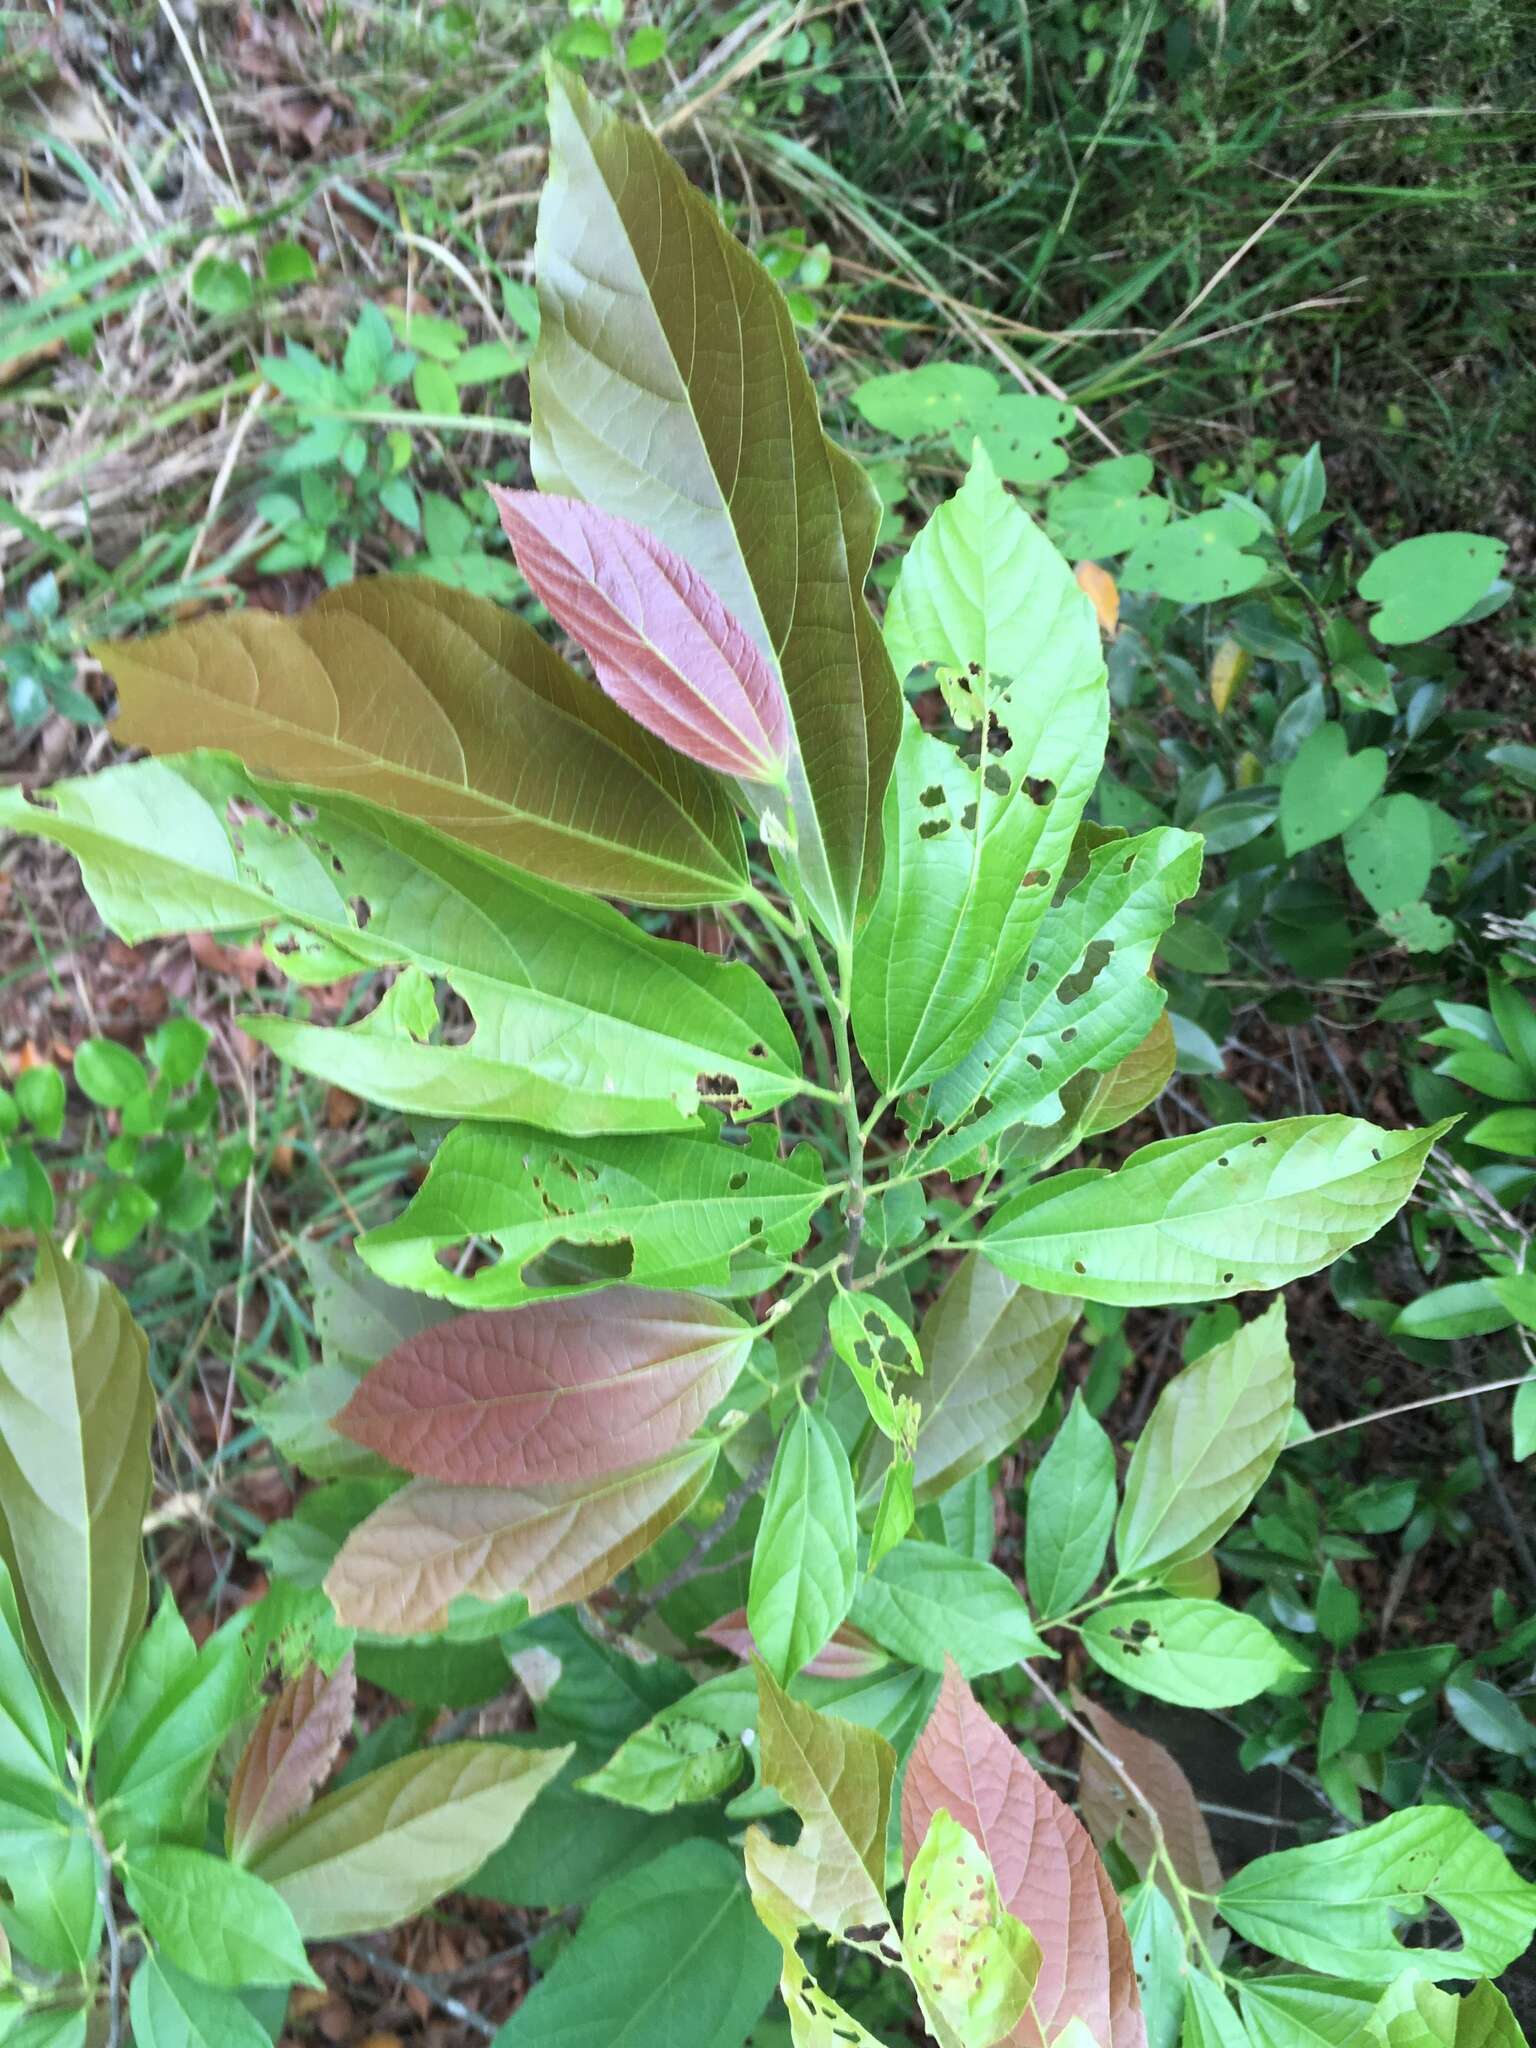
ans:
x=663 y=645
x=848 y=1654
x=558 y=1390
x=289 y=1755
x=1111 y=1810
x=1048 y=1871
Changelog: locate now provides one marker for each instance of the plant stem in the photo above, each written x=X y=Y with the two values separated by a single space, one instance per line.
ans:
x=113 y=1933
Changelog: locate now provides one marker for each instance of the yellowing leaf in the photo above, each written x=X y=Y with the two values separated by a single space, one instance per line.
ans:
x=1229 y=664
x=816 y=2020
x=442 y=706
x=974 y=1965
x=400 y=1570
x=837 y=1777
x=393 y=1841
x=1103 y=594
x=76 y=1406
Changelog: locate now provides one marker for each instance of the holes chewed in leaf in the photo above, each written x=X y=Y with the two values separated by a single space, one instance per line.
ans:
x=1040 y=789
x=1096 y=957
x=996 y=778
x=932 y=796
x=933 y=828
x=968 y=818
x=1036 y=878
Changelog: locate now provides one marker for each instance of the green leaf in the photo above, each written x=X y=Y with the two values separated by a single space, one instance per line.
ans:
x=974 y=849
x=690 y=1752
x=40 y=1096
x=991 y=1350
x=1102 y=512
x=926 y=1602
x=32 y=1760
x=673 y=394
x=109 y=1073
x=1327 y=788
x=1389 y=852
x=583 y=1020
x=54 y=1911
x=1213 y=1436
x=1467 y=1308
x=681 y=1208
x=1071 y=1511
x=1337 y=1905
x=1083 y=999
x=1219 y=1213
x=1192 y=1653
x=1522 y=1418
x=1198 y=560
x=169 y=2009
x=936 y=398
x=76 y=1407
x=288 y=263
x=221 y=286
x=1490 y=1716
x=399 y=1571
x=452 y=711
x=805 y=1557
x=668 y=1954
x=393 y=1841
x=220 y=1924
x=1306 y=2012
x=1303 y=491
x=1020 y=433
x=1427 y=583
x=837 y=1777
x=974 y=1965
x=1507 y=1130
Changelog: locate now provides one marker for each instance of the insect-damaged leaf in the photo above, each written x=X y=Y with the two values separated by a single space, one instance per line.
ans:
x=690 y=1752
x=974 y=1965
x=681 y=1207
x=976 y=840
x=76 y=1406
x=1114 y=1812
x=399 y=1571
x=1207 y=1449
x=393 y=1841
x=582 y=1021
x=1048 y=1874
x=560 y=1390
x=816 y=2020
x=665 y=648
x=442 y=706
x=288 y=1755
x=837 y=1777
x=1192 y=1653
x=1195 y=1219
x=668 y=388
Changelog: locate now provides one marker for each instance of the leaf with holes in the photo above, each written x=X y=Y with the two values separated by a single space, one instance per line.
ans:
x=1224 y=1211
x=684 y=1210
x=1340 y=1904
x=816 y=2020
x=400 y=1570
x=1082 y=1000
x=1192 y=1653
x=582 y=1021
x=974 y=846
x=561 y=1390
x=926 y=1603
x=1199 y=560
x=1208 y=1447
x=1071 y=1512
x=390 y=1843
x=975 y=1966
x=443 y=707
x=1048 y=1875
x=1102 y=511
x=288 y=1754
x=1426 y=584
x=878 y=1348
x=663 y=645
x=1021 y=432
x=690 y=1752
x=1327 y=788
x=837 y=1777
x=1115 y=1806
x=805 y=1554
x=76 y=1406
x=1390 y=853
x=668 y=389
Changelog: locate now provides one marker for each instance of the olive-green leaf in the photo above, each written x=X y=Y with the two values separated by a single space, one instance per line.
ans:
x=401 y=1569
x=1338 y=1905
x=1216 y=1430
x=217 y=1922
x=582 y=1021
x=440 y=705
x=681 y=1206
x=1070 y=1513
x=76 y=1407
x=1192 y=1653
x=1083 y=998
x=1225 y=1211
x=393 y=1841
x=805 y=1555
x=975 y=847
x=668 y=388
x=31 y=1740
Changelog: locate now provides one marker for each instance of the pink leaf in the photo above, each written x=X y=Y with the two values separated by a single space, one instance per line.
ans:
x=290 y=1752
x=1048 y=1871
x=849 y=1654
x=559 y=1390
x=663 y=645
